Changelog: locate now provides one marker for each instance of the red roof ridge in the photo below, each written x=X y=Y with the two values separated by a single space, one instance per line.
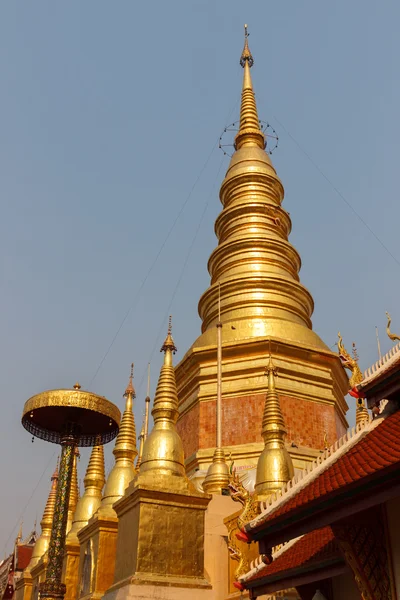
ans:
x=323 y=462
x=381 y=366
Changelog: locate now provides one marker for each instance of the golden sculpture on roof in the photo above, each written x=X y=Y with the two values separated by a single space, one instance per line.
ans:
x=391 y=335
x=349 y=362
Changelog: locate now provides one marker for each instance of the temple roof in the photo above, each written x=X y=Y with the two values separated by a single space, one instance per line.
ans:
x=312 y=551
x=380 y=373
x=369 y=453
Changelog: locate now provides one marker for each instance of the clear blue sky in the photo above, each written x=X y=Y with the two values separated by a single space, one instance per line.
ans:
x=108 y=113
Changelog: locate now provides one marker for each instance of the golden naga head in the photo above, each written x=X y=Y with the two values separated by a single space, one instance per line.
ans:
x=346 y=358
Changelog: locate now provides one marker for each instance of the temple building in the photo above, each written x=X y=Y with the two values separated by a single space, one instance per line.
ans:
x=249 y=482
x=335 y=529
x=12 y=567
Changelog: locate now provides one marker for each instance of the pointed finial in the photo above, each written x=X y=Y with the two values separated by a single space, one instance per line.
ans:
x=129 y=388
x=19 y=535
x=246 y=54
x=249 y=133
x=271 y=368
x=169 y=343
x=55 y=474
x=77 y=386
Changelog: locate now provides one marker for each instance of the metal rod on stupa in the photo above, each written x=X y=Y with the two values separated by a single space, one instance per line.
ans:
x=217 y=477
x=70 y=418
x=147 y=406
x=219 y=372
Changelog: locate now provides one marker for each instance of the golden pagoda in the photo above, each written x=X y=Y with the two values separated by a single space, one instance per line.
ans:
x=99 y=537
x=160 y=543
x=125 y=453
x=274 y=466
x=255 y=272
x=24 y=584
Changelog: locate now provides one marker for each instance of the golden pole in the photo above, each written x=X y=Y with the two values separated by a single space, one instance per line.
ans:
x=219 y=372
x=217 y=477
x=147 y=405
x=52 y=588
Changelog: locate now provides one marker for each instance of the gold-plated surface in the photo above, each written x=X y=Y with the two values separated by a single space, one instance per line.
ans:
x=351 y=363
x=38 y=576
x=163 y=449
x=45 y=415
x=217 y=477
x=74 y=493
x=274 y=467
x=393 y=336
x=161 y=515
x=42 y=543
x=256 y=271
x=160 y=534
x=255 y=264
x=71 y=568
x=97 y=556
x=91 y=498
x=125 y=453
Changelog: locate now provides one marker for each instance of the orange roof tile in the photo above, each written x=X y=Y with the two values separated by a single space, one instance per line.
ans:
x=313 y=549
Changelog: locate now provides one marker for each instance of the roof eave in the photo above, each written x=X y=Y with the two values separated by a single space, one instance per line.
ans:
x=372 y=490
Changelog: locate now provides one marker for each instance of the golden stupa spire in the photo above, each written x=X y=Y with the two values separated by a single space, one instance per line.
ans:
x=274 y=467
x=42 y=543
x=217 y=478
x=249 y=128
x=256 y=266
x=163 y=449
x=74 y=493
x=91 y=498
x=125 y=453
x=19 y=534
x=350 y=362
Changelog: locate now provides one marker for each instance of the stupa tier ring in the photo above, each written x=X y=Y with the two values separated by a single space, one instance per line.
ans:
x=95 y=419
x=227 y=144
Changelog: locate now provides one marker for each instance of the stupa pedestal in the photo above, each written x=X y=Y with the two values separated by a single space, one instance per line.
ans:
x=157 y=519
x=98 y=542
